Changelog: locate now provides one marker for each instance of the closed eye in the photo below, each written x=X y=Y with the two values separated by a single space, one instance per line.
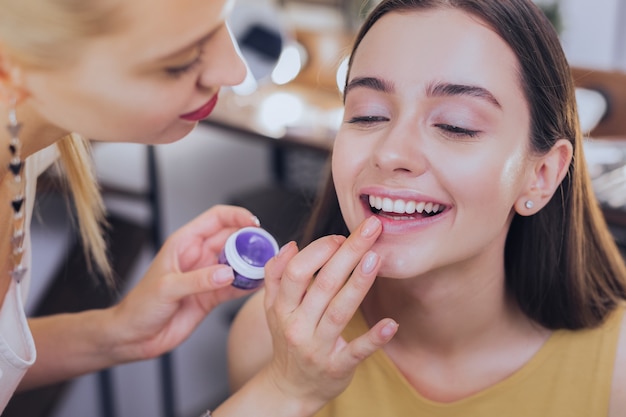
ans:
x=457 y=131
x=365 y=120
x=178 y=71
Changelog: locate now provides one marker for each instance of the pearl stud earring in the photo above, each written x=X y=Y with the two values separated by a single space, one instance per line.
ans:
x=529 y=204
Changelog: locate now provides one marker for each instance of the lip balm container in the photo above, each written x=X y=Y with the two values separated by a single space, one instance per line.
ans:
x=247 y=251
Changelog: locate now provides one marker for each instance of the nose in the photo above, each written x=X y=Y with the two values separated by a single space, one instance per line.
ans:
x=224 y=65
x=400 y=150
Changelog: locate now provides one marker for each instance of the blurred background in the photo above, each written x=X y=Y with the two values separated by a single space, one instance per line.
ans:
x=265 y=147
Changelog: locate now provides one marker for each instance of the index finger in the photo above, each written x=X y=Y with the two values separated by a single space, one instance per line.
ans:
x=219 y=217
x=334 y=274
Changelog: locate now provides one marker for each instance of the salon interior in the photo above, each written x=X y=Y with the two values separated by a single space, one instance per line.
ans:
x=265 y=147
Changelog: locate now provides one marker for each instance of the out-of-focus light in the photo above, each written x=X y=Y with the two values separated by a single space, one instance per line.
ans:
x=288 y=66
x=280 y=110
x=342 y=73
x=248 y=85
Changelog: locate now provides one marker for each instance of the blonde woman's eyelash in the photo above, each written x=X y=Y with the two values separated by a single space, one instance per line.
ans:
x=176 y=72
x=181 y=70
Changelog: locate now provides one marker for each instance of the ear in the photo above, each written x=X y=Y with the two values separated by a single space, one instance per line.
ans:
x=547 y=174
x=11 y=87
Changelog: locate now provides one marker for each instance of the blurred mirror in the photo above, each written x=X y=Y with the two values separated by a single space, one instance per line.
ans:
x=265 y=43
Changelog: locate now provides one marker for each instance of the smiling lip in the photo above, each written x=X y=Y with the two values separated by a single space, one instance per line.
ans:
x=202 y=112
x=409 y=223
x=396 y=223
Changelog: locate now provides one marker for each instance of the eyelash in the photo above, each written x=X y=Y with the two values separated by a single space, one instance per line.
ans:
x=176 y=72
x=366 y=120
x=452 y=130
x=457 y=131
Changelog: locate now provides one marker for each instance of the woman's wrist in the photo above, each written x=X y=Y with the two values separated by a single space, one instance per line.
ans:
x=263 y=396
x=105 y=337
x=114 y=342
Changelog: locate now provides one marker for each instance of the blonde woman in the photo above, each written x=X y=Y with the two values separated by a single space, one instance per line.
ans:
x=144 y=71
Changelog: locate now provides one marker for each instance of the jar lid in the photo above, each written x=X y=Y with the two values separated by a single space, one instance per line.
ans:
x=249 y=249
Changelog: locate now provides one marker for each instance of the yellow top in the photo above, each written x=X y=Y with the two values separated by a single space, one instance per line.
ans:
x=570 y=376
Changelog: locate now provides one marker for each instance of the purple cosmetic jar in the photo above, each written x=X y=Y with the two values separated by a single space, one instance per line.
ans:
x=247 y=251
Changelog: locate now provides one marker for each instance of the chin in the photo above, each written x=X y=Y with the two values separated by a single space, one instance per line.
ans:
x=403 y=265
x=170 y=134
x=396 y=273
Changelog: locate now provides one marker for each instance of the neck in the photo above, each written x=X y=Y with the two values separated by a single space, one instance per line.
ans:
x=446 y=313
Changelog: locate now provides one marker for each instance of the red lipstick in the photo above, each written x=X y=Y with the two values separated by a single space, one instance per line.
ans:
x=202 y=112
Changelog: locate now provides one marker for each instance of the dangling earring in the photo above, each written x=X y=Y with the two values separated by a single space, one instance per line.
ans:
x=529 y=204
x=16 y=166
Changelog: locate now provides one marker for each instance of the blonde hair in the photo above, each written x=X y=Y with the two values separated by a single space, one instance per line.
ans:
x=49 y=34
x=75 y=158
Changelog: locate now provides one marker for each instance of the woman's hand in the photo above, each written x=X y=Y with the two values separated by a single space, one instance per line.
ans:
x=182 y=285
x=312 y=362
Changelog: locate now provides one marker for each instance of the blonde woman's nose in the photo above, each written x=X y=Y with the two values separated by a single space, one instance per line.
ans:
x=223 y=65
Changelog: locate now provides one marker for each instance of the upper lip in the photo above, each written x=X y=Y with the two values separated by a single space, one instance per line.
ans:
x=202 y=111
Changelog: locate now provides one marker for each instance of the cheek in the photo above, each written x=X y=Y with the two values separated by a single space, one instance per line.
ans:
x=496 y=184
x=347 y=164
x=135 y=114
x=480 y=178
x=341 y=175
x=514 y=170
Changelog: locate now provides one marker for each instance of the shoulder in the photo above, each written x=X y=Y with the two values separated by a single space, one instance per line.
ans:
x=245 y=359
x=618 y=388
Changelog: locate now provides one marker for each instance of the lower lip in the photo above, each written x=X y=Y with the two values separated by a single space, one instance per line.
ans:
x=202 y=112
x=394 y=226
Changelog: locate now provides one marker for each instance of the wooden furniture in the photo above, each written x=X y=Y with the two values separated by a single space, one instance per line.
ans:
x=612 y=85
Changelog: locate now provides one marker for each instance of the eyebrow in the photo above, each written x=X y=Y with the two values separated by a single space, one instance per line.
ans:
x=371 y=83
x=438 y=89
x=450 y=89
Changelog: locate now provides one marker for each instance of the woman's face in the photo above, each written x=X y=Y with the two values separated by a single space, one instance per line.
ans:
x=149 y=83
x=434 y=141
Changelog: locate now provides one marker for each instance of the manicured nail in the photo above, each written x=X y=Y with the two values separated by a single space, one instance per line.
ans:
x=370 y=227
x=389 y=329
x=369 y=262
x=223 y=275
x=339 y=239
x=284 y=248
x=256 y=221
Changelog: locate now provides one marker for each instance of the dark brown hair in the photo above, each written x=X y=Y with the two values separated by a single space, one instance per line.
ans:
x=562 y=264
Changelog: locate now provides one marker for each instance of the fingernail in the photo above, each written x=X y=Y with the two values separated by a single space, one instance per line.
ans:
x=370 y=227
x=284 y=249
x=389 y=329
x=256 y=221
x=369 y=262
x=339 y=238
x=223 y=275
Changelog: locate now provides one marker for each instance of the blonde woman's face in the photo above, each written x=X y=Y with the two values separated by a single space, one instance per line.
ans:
x=148 y=83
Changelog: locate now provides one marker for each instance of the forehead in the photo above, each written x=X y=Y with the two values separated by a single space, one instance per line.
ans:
x=415 y=48
x=154 y=26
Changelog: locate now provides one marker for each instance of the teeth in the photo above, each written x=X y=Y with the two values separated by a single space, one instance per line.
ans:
x=387 y=204
x=398 y=206
x=402 y=206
